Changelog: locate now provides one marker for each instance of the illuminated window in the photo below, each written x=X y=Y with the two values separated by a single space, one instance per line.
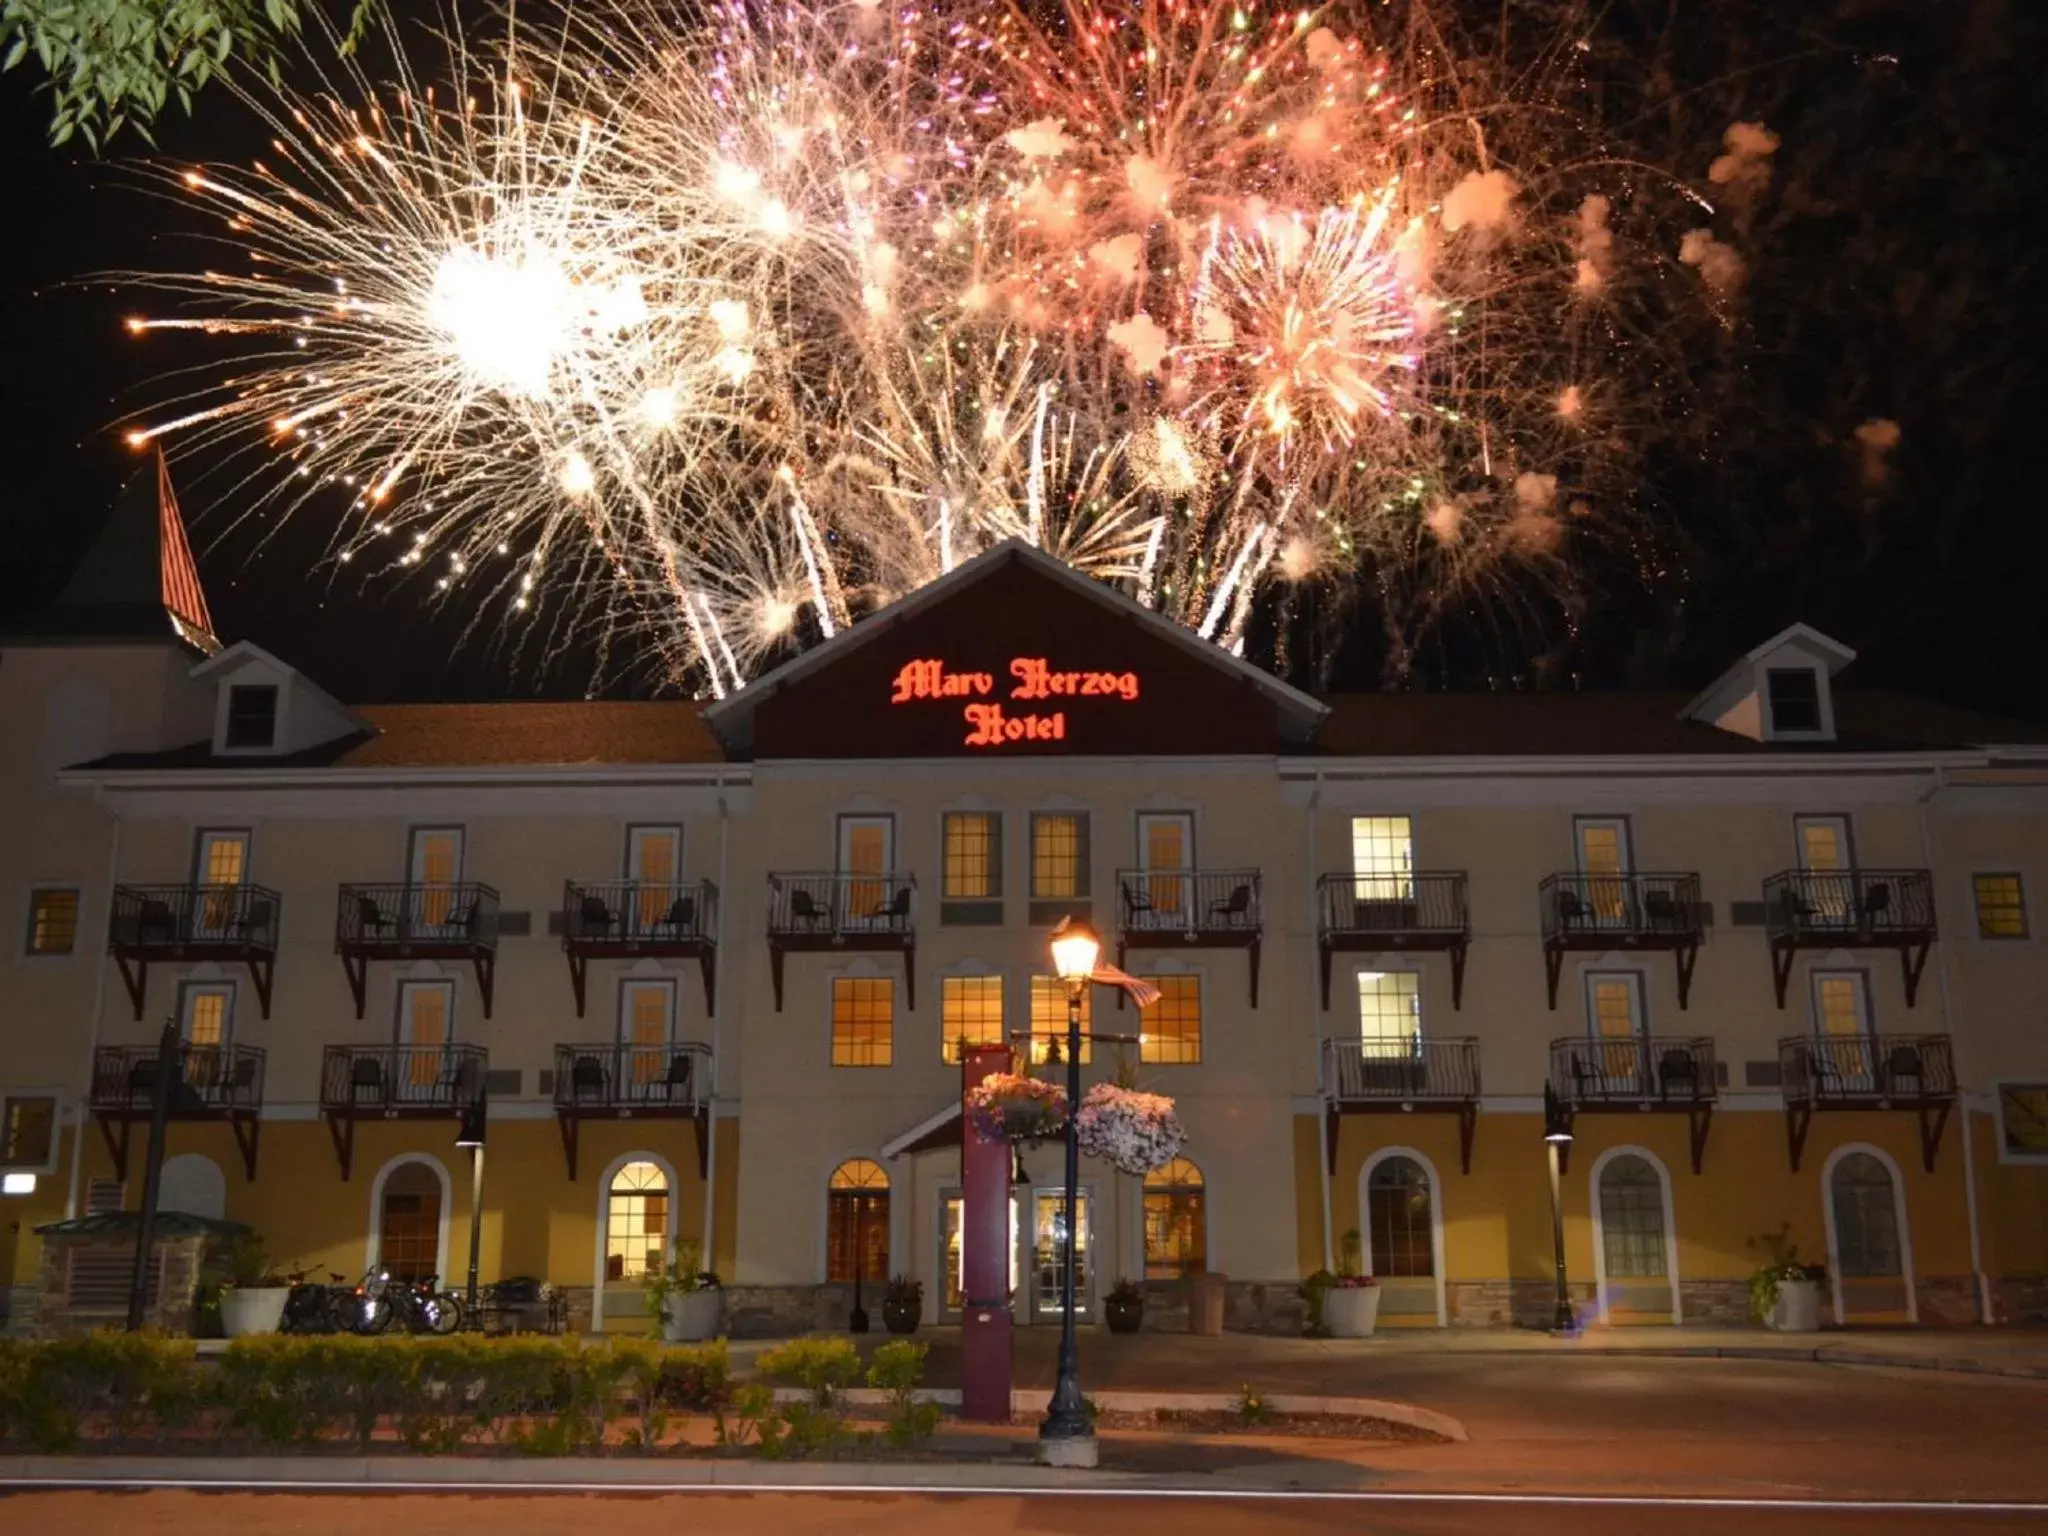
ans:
x=857 y=1221
x=1841 y=1004
x=206 y=1011
x=52 y=921
x=1614 y=1008
x=1382 y=858
x=28 y=1129
x=863 y=1021
x=1059 y=855
x=1397 y=1198
x=970 y=1013
x=1049 y=1017
x=1176 y=1222
x=1170 y=1031
x=2001 y=907
x=1390 y=1012
x=971 y=869
x=635 y=1222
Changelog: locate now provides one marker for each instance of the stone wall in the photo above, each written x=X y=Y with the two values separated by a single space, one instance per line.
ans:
x=2020 y=1298
x=169 y=1310
x=1513 y=1303
x=1715 y=1303
x=1946 y=1301
x=776 y=1311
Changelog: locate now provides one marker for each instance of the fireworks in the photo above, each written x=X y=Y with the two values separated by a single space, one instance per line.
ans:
x=723 y=332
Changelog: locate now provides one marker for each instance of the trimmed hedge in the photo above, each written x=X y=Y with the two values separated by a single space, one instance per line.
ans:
x=539 y=1396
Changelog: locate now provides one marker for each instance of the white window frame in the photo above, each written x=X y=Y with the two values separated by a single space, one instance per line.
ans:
x=641 y=832
x=1824 y=721
x=631 y=987
x=1827 y=1210
x=1845 y=825
x=415 y=842
x=1625 y=842
x=1388 y=965
x=58 y=1109
x=206 y=986
x=79 y=946
x=1866 y=1010
x=1600 y=1236
x=1436 y=1217
x=1639 y=1002
x=1403 y=881
x=412 y=986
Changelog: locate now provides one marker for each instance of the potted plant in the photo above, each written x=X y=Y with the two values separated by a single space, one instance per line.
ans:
x=252 y=1297
x=1013 y=1107
x=1784 y=1293
x=903 y=1304
x=1123 y=1309
x=1351 y=1304
x=683 y=1297
x=1136 y=1132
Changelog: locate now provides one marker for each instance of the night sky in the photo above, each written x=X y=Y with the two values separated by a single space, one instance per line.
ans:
x=1897 y=276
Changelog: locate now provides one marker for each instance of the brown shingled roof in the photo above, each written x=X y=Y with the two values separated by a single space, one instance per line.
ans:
x=515 y=734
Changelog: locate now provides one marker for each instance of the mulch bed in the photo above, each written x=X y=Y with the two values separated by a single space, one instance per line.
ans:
x=1315 y=1426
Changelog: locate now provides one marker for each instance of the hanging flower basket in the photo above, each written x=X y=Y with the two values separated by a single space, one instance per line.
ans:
x=1138 y=1132
x=1017 y=1108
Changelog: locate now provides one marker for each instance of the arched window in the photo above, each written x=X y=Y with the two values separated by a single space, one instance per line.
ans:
x=409 y=1223
x=857 y=1221
x=1866 y=1219
x=1632 y=1219
x=1397 y=1198
x=1176 y=1222
x=193 y=1184
x=635 y=1221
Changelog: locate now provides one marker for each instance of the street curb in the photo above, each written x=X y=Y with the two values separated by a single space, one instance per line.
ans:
x=1819 y=1354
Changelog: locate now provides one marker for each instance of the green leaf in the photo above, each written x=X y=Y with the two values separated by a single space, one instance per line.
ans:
x=16 y=53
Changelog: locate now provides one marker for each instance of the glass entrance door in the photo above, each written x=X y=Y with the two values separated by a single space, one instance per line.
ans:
x=1048 y=1254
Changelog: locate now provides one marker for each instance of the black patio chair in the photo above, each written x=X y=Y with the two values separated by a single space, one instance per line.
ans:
x=1571 y=911
x=1876 y=907
x=803 y=909
x=156 y=922
x=1235 y=908
x=586 y=1078
x=252 y=923
x=365 y=1073
x=681 y=1070
x=1660 y=909
x=1905 y=1071
x=1137 y=904
x=371 y=921
x=680 y=919
x=893 y=911
x=1678 y=1074
x=594 y=918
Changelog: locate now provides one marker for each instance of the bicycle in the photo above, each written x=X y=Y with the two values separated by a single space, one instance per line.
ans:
x=312 y=1308
x=416 y=1306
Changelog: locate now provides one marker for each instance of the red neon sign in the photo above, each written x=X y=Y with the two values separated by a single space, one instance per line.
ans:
x=1033 y=680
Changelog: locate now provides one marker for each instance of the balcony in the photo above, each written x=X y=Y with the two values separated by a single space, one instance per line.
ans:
x=1604 y=912
x=210 y=1082
x=1850 y=909
x=1646 y=1073
x=1867 y=1072
x=416 y=922
x=1190 y=909
x=188 y=924
x=1373 y=913
x=609 y=1081
x=856 y=913
x=1397 y=1077
x=396 y=1082
x=632 y=919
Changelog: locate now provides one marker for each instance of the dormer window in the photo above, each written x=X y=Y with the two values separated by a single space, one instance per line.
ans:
x=1794 y=695
x=252 y=717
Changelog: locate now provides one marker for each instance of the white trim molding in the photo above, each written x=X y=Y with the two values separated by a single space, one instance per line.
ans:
x=371 y=1254
x=1827 y=1210
x=1600 y=1236
x=1436 y=1217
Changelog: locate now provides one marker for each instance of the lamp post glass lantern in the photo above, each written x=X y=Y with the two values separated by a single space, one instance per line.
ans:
x=1067 y=1436
x=1557 y=1135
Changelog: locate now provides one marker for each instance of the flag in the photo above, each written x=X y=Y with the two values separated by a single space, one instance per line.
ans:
x=1141 y=992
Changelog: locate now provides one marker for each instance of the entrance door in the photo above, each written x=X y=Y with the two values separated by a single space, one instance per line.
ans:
x=1634 y=1248
x=426 y=1028
x=1605 y=861
x=434 y=869
x=220 y=866
x=409 y=1223
x=654 y=865
x=1841 y=1021
x=953 y=1261
x=1166 y=851
x=647 y=1022
x=1828 y=857
x=206 y=1017
x=1869 y=1257
x=1048 y=1254
x=1400 y=1235
x=1614 y=1017
x=867 y=846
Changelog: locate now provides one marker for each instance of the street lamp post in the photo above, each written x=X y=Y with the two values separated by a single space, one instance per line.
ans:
x=470 y=1133
x=1067 y=1437
x=1557 y=1135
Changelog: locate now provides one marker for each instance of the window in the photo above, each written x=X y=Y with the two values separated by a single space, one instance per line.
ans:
x=2001 y=907
x=409 y=1223
x=1382 y=858
x=28 y=1131
x=434 y=868
x=1866 y=1219
x=863 y=1021
x=636 y=1222
x=1166 y=849
x=252 y=717
x=426 y=1028
x=1794 y=694
x=1049 y=1018
x=1614 y=1005
x=1398 y=1220
x=52 y=921
x=857 y=1222
x=1604 y=863
x=1176 y=1222
x=1823 y=843
x=1170 y=1031
x=1632 y=1219
x=654 y=867
x=1841 y=1004
x=207 y=1012
x=970 y=1013
x=971 y=862
x=1390 y=1012
x=1059 y=855
x=647 y=1021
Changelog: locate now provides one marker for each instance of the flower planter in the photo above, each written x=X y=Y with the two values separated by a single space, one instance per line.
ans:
x=1797 y=1309
x=902 y=1316
x=1123 y=1316
x=247 y=1309
x=692 y=1316
x=1135 y=1132
x=1351 y=1311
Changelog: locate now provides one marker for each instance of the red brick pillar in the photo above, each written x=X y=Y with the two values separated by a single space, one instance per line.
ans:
x=985 y=1255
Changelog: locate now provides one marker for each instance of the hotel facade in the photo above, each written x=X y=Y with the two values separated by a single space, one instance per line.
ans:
x=1772 y=949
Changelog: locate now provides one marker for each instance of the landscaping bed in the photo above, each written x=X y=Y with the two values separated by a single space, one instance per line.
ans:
x=1224 y=1421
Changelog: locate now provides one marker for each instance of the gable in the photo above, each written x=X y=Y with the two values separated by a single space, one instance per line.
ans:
x=1018 y=661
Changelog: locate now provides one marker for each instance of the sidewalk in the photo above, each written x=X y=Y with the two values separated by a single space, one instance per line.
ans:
x=1184 y=1362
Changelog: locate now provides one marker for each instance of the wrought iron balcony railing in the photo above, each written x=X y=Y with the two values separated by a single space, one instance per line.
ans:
x=634 y=915
x=1401 y=1071
x=608 y=1078
x=1862 y=1069
x=1632 y=908
x=396 y=917
x=207 y=1079
x=1587 y=1072
x=1189 y=904
x=1391 y=908
x=372 y=1080
x=840 y=907
x=172 y=919
x=1849 y=906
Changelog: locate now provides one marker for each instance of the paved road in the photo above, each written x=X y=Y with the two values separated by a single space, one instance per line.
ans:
x=765 y=1514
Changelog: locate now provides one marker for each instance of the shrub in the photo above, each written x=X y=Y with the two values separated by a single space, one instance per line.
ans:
x=897 y=1368
x=822 y=1367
